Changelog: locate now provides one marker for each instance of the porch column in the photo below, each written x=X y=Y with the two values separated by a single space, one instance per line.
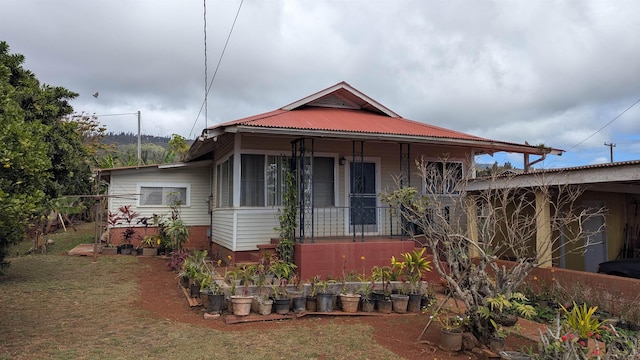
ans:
x=543 y=229
x=472 y=225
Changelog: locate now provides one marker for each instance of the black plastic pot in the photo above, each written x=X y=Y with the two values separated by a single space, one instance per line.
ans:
x=216 y=303
x=414 y=303
x=282 y=306
x=299 y=304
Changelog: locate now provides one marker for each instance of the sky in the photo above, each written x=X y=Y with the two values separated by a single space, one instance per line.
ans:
x=565 y=74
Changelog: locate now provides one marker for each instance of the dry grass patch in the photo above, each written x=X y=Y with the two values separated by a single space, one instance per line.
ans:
x=61 y=307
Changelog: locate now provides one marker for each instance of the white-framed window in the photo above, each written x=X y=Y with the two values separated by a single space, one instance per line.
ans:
x=164 y=194
x=263 y=180
x=225 y=183
x=443 y=177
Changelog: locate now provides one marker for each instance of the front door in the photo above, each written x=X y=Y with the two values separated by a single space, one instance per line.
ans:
x=363 y=198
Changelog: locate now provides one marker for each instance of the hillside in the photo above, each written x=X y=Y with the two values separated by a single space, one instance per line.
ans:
x=131 y=138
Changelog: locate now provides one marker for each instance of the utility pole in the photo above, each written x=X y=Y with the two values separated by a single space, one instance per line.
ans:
x=140 y=142
x=611 y=146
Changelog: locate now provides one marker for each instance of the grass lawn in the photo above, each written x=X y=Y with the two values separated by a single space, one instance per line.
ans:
x=53 y=306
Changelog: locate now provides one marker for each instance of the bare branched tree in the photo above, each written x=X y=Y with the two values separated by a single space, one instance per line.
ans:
x=471 y=224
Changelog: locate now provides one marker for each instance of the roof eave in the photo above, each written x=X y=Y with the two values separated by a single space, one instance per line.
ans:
x=485 y=146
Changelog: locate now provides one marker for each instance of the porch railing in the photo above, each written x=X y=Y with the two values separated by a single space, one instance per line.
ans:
x=357 y=223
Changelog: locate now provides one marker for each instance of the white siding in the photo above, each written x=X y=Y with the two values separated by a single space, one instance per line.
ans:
x=223 y=226
x=124 y=187
x=255 y=226
x=241 y=229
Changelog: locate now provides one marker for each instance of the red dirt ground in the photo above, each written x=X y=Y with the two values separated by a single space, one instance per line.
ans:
x=169 y=302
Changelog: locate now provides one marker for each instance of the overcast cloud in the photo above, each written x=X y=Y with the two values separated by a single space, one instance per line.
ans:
x=551 y=72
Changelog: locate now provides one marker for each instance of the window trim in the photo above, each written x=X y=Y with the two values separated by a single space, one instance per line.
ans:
x=334 y=156
x=444 y=164
x=139 y=187
x=218 y=189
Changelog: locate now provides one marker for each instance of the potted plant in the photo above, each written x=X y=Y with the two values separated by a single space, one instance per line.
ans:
x=177 y=232
x=412 y=268
x=127 y=216
x=242 y=303
x=324 y=297
x=149 y=243
x=383 y=302
x=451 y=329
x=349 y=301
x=193 y=268
x=113 y=219
x=367 y=304
x=281 y=270
x=496 y=339
x=504 y=309
x=312 y=300
x=280 y=298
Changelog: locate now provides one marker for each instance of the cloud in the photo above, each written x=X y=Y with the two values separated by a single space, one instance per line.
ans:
x=544 y=72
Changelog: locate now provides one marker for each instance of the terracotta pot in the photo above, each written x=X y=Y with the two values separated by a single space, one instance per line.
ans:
x=350 y=302
x=241 y=305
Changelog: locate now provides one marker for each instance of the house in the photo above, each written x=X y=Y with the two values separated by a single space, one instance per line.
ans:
x=344 y=147
x=613 y=187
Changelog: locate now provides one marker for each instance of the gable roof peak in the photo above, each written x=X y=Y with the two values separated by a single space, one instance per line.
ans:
x=344 y=96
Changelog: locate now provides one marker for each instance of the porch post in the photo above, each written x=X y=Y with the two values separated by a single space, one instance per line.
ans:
x=543 y=229
x=472 y=225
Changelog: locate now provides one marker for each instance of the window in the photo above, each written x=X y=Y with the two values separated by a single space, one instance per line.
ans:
x=324 y=186
x=443 y=177
x=263 y=180
x=252 y=184
x=225 y=183
x=276 y=171
x=163 y=194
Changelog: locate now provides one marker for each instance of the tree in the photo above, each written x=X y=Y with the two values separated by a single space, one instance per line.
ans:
x=506 y=229
x=42 y=156
x=179 y=146
x=91 y=135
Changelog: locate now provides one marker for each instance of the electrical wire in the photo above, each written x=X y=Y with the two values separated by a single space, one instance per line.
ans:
x=215 y=72
x=605 y=125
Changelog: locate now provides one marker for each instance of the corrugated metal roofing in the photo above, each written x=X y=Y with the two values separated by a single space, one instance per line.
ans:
x=342 y=110
x=346 y=120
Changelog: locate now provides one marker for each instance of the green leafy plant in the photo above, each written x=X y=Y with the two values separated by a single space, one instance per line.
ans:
x=413 y=266
x=288 y=219
x=282 y=270
x=582 y=320
x=498 y=330
x=178 y=232
x=514 y=303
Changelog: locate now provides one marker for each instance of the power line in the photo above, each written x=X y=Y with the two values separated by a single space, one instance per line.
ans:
x=215 y=72
x=605 y=125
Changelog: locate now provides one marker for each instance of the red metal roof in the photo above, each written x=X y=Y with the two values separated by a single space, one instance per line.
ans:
x=346 y=120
